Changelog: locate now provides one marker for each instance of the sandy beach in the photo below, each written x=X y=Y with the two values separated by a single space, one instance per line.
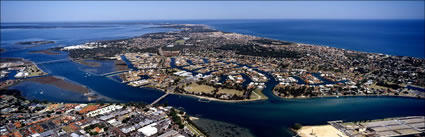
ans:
x=320 y=131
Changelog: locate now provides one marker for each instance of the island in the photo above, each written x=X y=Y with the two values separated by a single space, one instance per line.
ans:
x=40 y=42
x=46 y=51
x=210 y=64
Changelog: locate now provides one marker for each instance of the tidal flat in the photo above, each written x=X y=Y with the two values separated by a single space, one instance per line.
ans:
x=60 y=83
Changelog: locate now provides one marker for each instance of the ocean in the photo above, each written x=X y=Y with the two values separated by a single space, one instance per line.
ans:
x=266 y=118
x=394 y=37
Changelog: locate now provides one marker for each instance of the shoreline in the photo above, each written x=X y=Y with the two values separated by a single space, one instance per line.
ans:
x=209 y=98
x=318 y=131
x=342 y=96
x=216 y=99
x=341 y=128
x=219 y=128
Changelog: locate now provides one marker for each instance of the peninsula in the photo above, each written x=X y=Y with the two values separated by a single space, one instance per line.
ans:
x=203 y=62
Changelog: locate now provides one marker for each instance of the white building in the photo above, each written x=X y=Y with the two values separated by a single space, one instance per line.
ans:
x=148 y=130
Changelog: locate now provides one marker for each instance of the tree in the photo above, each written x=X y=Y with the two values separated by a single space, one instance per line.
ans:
x=297 y=126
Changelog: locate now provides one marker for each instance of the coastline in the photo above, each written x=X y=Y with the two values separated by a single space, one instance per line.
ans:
x=217 y=128
x=318 y=131
x=343 y=96
x=218 y=100
x=291 y=98
x=209 y=98
x=340 y=128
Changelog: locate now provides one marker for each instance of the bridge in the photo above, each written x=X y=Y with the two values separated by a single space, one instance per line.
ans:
x=114 y=73
x=159 y=99
x=52 y=61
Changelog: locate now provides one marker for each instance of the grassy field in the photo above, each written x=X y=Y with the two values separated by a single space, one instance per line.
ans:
x=207 y=89
x=257 y=93
x=180 y=42
x=378 y=87
x=199 y=88
x=194 y=130
x=230 y=91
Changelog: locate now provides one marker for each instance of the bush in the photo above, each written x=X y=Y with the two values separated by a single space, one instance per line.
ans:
x=297 y=126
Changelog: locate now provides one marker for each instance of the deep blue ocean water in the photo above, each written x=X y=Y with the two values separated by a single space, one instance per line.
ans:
x=395 y=37
x=264 y=118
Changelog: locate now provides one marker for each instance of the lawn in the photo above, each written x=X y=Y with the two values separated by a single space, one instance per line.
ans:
x=378 y=87
x=207 y=89
x=180 y=42
x=230 y=91
x=199 y=88
x=256 y=93
x=194 y=130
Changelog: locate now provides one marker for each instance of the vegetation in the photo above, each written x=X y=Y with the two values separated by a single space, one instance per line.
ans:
x=35 y=42
x=295 y=92
x=297 y=126
x=270 y=41
x=255 y=50
x=385 y=84
x=176 y=118
x=100 y=53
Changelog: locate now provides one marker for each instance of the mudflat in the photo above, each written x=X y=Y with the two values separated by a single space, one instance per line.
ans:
x=47 y=52
x=60 y=83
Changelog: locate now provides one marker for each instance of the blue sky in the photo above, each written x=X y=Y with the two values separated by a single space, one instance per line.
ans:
x=45 y=11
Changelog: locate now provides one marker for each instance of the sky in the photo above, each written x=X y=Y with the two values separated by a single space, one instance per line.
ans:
x=51 y=11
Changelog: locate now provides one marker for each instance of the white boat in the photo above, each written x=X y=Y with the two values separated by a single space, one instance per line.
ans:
x=204 y=100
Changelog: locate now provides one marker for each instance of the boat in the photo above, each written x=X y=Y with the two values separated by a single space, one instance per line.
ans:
x=204 y=100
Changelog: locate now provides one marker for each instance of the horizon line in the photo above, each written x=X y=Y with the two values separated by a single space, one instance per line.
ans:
x=94 y=21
